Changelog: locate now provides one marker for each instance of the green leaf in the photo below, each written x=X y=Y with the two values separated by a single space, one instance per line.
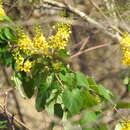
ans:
x=50 y=108
x=53 y=97
x=129 y=88
x=104 y=92
x=88 y=118
x=81 y=80
x=2 y=41
x=88 y=129
x=99 y=89
x=8 y=33
x=89 y=100
x=50 y=79
x=3 y=124
x=63 y=53
x=73 y=100
x=126 y=80
x=58 y=111
x=28 y=86
x=68 y=78
x=2 y=36
x=92 y=83
x=41 y=98
x=7 y=59
x=18 y=85
x=44 y=92
x=55 y=85
x=64 y=69
x=6 y=18
x=39 y=79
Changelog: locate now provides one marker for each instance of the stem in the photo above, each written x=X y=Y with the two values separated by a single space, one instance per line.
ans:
x=59 y=81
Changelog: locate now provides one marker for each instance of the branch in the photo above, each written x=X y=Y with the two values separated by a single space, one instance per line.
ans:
x=12 y=92
x=83 y=15
x=6 y=91
x=84 y=43
x=9 y=114
x=87 y=50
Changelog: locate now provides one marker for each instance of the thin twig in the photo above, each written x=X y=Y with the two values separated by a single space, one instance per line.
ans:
x=6 y=91
x=84 y=16
x=102 y=13
x=9 y=114
x=84 y=43
x=11 y=124
x=78 y=45
x=12 y=92
x=5 y=101
x=59 y=81
x=99 y=9
x=87 y=50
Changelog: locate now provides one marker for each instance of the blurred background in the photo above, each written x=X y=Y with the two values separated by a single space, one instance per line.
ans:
x=104 y=64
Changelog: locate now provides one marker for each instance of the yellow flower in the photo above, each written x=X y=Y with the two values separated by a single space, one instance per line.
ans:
x=60 y=39
x=125 y=125
x=21 y=64
x=24 y=42
x=125 y=41
x=2 y=12
x=40 y=44
x=125 y=46
x=16 y=54
x=26 y=66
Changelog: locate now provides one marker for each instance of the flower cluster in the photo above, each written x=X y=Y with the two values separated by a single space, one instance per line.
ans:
x=21 y=64
x=125 y=46
x=24 y=42
x=126 y=125
x=60 y=39
x=39 y=45
x=2 y=12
